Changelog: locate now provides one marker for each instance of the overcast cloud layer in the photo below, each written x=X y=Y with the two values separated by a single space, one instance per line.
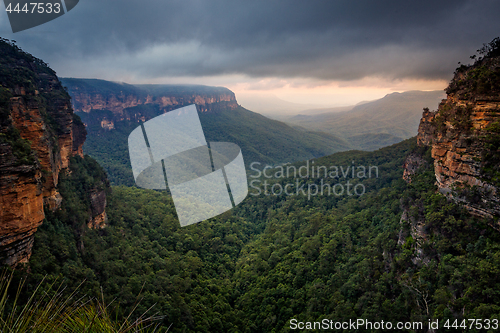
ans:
x=326 y=40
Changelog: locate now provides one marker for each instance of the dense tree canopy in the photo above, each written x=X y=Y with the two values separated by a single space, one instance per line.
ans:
x=274 y=258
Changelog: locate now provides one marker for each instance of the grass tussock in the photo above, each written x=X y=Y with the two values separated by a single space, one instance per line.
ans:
x=50 y=309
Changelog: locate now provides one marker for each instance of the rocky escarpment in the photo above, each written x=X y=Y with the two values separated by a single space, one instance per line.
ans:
x=414 y=227
x=140 y=102
x=464 y=134
x=98 y=216
x=413 y=163
x=38 y=135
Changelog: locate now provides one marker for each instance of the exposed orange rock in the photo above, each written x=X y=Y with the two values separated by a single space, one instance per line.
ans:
x=86 y=99
x=116 y=104
x=24 y=194
x=107 y=124
x=40 y=111
x=456 y=133
x=98 y=221
x=21 y=213
x=33 y=127
x=98 y=216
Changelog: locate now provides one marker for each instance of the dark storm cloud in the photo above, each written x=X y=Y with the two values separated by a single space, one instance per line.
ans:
x=339 y=40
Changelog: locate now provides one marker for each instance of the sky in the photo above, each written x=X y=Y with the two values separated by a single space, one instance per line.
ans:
x=314 y=52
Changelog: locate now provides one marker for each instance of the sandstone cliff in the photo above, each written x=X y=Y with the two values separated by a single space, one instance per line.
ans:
x=38 y=135
x=98 y=216
x=122 y=101
x=464 y=134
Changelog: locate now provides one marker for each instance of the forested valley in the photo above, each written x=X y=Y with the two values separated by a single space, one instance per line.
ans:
x=274 y=258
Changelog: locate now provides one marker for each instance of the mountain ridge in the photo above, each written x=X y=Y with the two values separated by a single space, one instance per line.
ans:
x=96 y=94
x=396 y=114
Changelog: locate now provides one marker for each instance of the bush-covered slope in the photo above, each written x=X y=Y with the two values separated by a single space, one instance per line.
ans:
x=261 y=139
x=274 y=258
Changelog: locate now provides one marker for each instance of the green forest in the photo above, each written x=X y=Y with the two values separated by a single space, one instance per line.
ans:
x=274 y=258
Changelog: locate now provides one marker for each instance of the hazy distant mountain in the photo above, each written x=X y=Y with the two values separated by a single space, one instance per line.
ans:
x=396 y=115
x=272 y=106
x=337 y=109
x=311 y=112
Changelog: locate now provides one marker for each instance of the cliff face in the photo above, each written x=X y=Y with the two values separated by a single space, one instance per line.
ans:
x=85 y=101
x=38 y=135
x=98 y=217
x=464 y=134
x=132 y=103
